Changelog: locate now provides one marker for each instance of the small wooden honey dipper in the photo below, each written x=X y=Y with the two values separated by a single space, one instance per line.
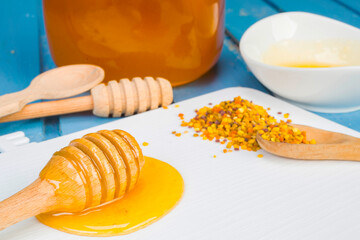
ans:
x=114 y=99
x=92 y=170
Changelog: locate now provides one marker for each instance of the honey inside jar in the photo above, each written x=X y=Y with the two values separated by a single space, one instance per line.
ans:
x=176 y=39
x=157 y=192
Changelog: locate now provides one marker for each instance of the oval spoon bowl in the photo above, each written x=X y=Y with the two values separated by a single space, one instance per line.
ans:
x=329 y=146
x=57 y=83
x=67 y=81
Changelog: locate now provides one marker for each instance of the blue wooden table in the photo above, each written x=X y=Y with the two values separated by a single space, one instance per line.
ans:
x=24 y=54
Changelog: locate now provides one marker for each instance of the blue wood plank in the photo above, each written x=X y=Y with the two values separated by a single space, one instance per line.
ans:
x=230 y=71
x=351 y=4
x=19 y=57
x=46 y=60
x=242 y=14
x=350 y=120
x=51 y=124
x=327 y=8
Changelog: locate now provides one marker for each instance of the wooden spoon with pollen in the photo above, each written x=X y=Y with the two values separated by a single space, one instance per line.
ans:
x=329 y=145
x=92 y=170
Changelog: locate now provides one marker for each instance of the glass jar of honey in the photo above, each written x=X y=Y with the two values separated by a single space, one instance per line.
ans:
x=176 y=39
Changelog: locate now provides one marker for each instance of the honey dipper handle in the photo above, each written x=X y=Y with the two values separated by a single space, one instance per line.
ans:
x=51 y=108
x=37 y=198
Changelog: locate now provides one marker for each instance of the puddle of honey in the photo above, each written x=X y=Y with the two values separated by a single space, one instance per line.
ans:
x=157 y=192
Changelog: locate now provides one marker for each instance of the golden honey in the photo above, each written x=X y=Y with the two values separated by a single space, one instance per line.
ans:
x=158 y=190
x=326 y=53
x=175 y=39
x=307 y=65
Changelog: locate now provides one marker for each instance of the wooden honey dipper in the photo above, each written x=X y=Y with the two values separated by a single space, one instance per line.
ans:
x=116 y=98
x=92 y=170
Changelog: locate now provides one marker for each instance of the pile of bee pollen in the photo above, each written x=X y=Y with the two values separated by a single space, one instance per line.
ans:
x=236 y=123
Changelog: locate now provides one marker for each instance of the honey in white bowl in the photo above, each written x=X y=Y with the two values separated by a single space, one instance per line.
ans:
x=313 y=53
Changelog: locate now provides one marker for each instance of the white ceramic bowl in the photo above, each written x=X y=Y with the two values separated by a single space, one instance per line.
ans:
x=334 y=89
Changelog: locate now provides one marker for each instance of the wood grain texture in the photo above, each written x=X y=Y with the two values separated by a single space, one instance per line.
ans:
x=350 y=4
x=36 y=198
x=127 y=97
x=51 y=108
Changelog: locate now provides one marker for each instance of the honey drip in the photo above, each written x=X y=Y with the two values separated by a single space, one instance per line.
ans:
x=157 y=191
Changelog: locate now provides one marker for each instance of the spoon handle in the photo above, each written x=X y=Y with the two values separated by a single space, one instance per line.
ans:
x=350 y=151
x=37 y=198
x=51 y=108
x=14 y=102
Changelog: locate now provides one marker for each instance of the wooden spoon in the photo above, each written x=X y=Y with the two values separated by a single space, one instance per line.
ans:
x=329 y=145
x=57 y=83
x=92 y=170
x=117 y=98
